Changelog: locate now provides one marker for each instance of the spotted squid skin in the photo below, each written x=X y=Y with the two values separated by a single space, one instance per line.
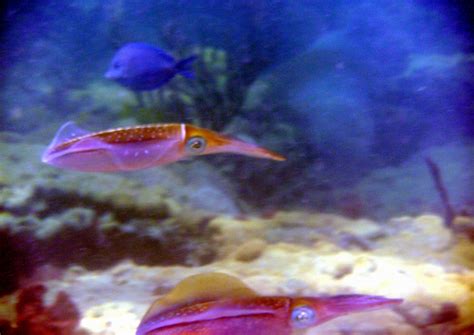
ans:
x=139 y=147
x=260 y=316
x=127 y=135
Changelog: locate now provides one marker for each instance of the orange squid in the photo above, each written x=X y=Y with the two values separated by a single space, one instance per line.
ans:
x=140 y=147
x=219 y=304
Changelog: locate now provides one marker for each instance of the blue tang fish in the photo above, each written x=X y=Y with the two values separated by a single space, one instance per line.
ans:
x=144 y=67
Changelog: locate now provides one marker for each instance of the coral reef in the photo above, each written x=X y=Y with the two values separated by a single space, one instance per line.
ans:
x=25 y=313
x=102 y=218
x=356 y=101
x=416 y=259
x=131 y=237
x=153 y=190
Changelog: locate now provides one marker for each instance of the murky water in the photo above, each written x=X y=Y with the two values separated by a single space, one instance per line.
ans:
x=312 y=149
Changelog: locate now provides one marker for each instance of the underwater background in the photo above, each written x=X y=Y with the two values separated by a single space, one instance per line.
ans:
x=371 y=102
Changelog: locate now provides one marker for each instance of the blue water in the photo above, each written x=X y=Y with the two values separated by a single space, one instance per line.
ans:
x=343 y=89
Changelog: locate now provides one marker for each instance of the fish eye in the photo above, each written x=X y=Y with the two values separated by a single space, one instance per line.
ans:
x=303 y=316
x=116 y=65
x=196 y=145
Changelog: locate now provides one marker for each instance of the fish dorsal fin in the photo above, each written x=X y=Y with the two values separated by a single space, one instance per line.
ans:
x=67 y=132
x=201 y=288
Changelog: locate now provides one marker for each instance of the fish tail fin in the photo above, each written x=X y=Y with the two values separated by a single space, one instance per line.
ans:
x=183 y=67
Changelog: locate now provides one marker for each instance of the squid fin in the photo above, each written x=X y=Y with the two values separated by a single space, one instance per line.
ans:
x=67 y=132
x=200 y=288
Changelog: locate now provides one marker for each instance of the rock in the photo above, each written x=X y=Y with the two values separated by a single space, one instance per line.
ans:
x=250 y=250
x=421 y=238
x=408 y=189
x=104 y=219
x=302 y=227
x=431 y=293
x=153 y=191
x=97 y=214
x=231 y=233
x=464 y=224
x=111 y=318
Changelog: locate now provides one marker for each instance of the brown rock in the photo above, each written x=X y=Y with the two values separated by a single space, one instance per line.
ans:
x=250 y=250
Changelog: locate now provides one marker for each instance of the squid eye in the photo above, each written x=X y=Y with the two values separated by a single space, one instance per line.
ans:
x=196 y=145
x=303 y=316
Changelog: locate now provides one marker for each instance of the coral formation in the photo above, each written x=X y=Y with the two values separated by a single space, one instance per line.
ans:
x=357 y=101
x=131 y=239
x=250 y=250
x=431 y=277
x=148 y=217
x=29 y=315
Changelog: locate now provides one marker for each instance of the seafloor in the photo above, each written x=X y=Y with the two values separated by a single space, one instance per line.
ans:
x=114 y=243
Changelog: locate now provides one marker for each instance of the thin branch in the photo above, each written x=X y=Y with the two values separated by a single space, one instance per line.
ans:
x=449 y=212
